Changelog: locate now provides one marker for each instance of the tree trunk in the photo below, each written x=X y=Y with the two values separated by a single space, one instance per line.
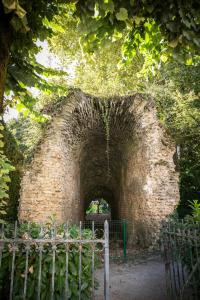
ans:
x=3 y=73
x=5 y=43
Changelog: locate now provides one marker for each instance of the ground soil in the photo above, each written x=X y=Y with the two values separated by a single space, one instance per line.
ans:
x=142 y=279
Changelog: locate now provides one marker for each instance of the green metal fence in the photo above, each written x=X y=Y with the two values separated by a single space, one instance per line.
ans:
x=117 y=236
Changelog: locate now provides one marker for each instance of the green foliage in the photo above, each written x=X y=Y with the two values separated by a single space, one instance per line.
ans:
x=178 y=23
x=12 y=152
x=5 y=169
x=28 y=130
x=33 y=231
x=150 y=30
x=98 y=206
x=119 y=59
x=195 y=211
x=27 y=133
x=190 y=173
x=92 y=209
x=177 y=96
x=26 y=73
x=18 y=19
x=100 y=73
x=28 y=23
x=104 y=74
x=105 y=111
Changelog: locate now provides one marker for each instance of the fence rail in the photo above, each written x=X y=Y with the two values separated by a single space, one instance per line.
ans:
x=181 y=243
x=51 y=262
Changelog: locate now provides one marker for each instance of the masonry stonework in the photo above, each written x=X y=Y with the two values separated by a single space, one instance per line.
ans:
x=115 y=149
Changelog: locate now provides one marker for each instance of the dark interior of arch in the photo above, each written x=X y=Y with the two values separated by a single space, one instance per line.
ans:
x=104 y=130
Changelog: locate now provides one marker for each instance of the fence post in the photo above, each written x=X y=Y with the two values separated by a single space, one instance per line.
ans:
x=106 y=262
x=124 y=240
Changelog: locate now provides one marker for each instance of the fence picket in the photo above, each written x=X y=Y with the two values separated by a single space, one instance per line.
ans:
x=106 y=262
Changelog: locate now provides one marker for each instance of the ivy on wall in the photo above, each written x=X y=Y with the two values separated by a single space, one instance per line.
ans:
x=5 y=169
x=105 y=112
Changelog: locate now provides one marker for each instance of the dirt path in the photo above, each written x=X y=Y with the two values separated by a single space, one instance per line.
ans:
x=141 y=280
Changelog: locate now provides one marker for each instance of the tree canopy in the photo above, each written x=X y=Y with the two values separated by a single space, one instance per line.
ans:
x=22 y=24
x=117 y=47
x=162 y=28
x=178 y=21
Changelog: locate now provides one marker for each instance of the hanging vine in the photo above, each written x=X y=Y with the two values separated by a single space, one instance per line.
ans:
x=105 y=112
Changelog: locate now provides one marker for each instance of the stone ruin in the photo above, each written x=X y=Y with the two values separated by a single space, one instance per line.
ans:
x=114 y=149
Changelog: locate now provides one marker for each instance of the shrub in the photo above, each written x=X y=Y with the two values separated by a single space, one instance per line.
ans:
x=195 y=212
x=31 y=233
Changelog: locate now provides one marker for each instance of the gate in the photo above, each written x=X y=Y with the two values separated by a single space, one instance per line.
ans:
x=117 y=236
x=51 y=262
x=181 y=243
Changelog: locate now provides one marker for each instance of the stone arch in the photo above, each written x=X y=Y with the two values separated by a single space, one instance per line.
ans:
x=78 y=159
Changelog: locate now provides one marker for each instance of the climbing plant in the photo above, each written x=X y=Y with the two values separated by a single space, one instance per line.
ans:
x=5 y=169
x=105 y=114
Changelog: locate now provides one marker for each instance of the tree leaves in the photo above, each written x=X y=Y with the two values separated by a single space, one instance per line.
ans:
x=177 y=97
x=100 y=22
x=13 y=5
x=23 y=71
x=178 y=23
x=122 y=15
x=5 y=169
x=174 y=43
x=18 y=20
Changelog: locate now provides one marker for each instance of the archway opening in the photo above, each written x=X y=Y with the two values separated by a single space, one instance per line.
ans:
x=100 y=204
x=98 y=210
x=103 y=151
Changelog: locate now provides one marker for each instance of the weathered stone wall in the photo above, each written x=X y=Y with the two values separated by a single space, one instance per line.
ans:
x=131 y=166
x=149 y=181
x=51 y=179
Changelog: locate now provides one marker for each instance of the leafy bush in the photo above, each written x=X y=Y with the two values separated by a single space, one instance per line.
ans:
x=5 y=169
x=15 y=157
x=195 y=211
x=34 y=232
